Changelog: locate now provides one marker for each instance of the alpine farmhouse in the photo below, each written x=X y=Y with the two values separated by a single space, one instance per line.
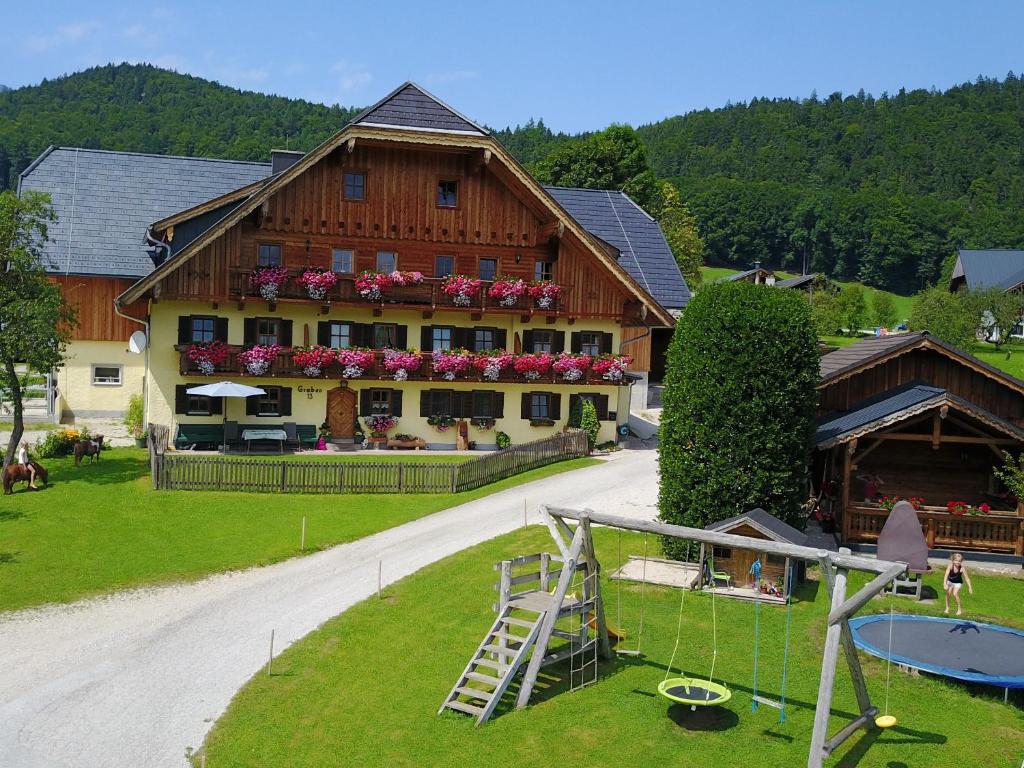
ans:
x=389 y=236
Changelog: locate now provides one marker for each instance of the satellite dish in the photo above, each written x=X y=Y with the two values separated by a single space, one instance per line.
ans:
x=137 y=343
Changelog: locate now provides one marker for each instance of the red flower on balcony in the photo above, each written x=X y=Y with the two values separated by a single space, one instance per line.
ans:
x=450 y=362
x=313 y=360
x=317 y=282
x=958 y=507
x=373 y=285
x=461 y=289
x=356 y=361
x=611 y=367
x=533 y=365
x=401 y=362
x=491 y=364
x=268 y=281
x=208 y=356
x=507 y=290
x=545 y=293
x=257 y=360
x=571 y=367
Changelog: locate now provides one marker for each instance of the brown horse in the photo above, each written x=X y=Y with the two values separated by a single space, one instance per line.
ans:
x=16 y=473
x=89 y=447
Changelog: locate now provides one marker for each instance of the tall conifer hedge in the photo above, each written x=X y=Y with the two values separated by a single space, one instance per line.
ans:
x=739 y=401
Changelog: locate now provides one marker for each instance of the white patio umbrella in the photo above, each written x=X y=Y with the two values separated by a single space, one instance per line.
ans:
x=226 y=389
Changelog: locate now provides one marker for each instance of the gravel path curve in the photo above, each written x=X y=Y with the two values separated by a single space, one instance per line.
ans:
x=135 y=678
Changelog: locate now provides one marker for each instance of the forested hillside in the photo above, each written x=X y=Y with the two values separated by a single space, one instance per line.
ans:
x=880 y=190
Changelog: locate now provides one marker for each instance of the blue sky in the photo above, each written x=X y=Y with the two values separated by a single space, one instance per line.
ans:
x=578 y=65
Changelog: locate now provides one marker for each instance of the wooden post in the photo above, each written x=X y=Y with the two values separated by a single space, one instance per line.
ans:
x=846 y=496
x=270 y=660
x=930 y=532
x=700 y=568
x=594 y=566
x=828 y=667
x=545 y=568
x=505 y=585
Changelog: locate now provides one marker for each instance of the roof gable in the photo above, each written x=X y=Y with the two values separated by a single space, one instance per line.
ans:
x=765 y=522
x=990 y=268
x=410 y=106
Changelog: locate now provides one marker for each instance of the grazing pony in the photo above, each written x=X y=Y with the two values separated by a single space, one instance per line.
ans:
x=90 y=447
x=16 y=473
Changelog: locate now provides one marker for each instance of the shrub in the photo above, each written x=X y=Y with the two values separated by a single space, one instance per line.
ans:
x=59 y=442
x=589 y=423
x=739 y=402
x=852 y=306
x=884 y=309
x=576 y=413
x=945 y=315
x=133 y=416
x=502 y=440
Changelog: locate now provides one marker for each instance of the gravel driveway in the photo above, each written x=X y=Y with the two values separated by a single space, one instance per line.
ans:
x=135 y=678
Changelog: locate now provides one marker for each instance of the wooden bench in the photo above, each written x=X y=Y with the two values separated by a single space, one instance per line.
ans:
x=418 y=444
x=192 y=436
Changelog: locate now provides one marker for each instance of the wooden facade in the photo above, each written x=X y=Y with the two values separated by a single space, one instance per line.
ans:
x=93 y=300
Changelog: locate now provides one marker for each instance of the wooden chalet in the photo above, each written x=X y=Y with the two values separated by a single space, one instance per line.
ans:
x=912 y=417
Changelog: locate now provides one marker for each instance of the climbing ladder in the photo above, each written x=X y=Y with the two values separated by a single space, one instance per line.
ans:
x=527 y=623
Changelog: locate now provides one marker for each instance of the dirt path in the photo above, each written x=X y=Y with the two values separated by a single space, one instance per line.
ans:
x=135 y=678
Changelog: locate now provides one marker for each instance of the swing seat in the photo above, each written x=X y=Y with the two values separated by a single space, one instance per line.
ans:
x=885 y=721
x=694 y=692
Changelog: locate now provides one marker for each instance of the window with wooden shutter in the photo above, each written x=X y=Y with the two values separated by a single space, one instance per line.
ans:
x=385 y=335
x=286 y=333
x=440 y=402
x=499 y=405
x=558 y=342
x=365 y=403
x=401 y=336
x=184 y=329
x=501 y=339
x=249 y=331
x=527 y=341
x=285 y=401
x=425 y=402
x=220 y=332
x=194 y=405
x=427 y=338
x=396 y=402
x=463 y=405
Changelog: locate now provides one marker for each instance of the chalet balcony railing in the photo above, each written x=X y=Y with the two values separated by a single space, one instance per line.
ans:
x=993 y=532
x=427 y=294
x=284 y=367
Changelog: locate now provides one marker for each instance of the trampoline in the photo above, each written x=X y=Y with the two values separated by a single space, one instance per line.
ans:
x=964 y=650
x=696 y=693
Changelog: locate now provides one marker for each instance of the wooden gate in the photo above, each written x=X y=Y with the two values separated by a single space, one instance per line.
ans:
x=341 y=412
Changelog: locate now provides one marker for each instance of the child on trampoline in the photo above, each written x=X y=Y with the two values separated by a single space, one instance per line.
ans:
x=953 y=580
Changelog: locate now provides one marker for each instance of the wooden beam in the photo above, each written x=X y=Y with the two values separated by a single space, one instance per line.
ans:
x=858 y=459
x=914 y=437
x=728 y=540
x=829 y=663
x=866 y=719
x=936 y=430
x=867 y=592
x=595 y=569
x=860 y=687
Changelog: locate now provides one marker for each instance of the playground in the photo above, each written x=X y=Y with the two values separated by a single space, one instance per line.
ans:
x=327 y=687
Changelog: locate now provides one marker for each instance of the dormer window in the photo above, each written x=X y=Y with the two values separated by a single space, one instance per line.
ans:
x=447 y=194
x=355 y=186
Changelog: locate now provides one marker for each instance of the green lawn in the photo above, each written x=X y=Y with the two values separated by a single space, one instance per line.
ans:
x=100 y=527
x=365 y=687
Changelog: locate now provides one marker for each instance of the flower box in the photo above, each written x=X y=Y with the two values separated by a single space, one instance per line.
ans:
x=545 y=293
x=258 y=360
x=379 y=425
x=317 y=282
x=313 y=360
x=611 y=367
x=373 y=286
x=440 y=422
x=355 y=361
x=491 y=364
x=268 y=281
x=533 y=365
x=401 y=362
x=461 y=289
x=571 y=367
x=207 y=357
x=507 y=290
x=542 y=422
x=450 y=363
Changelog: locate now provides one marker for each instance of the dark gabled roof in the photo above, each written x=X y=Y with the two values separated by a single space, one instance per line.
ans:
x=105 y=202
x=990 y=268
x=767 y=523
x=745 y=274
x=796 y=282
x=899 y=405
x=410 y=106
x=644 y=253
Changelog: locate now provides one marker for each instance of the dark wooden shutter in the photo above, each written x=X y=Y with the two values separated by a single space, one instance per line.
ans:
x=464 y=338
x=181 y=399
x=558 y=342
x=396 y=402
x=525 y=411
x=575 y=345
x=500 y=338
x=365 y=402
x=527 y=341
x=499 y=405
x=572 y=403
x=252 y=406
x=554 y=406
x=249 y=332
x=401 y=336
x=216 y=406
x=425 y=402
x=462 y=405
x=284 y=338
x=184 y=329
x=606 y=343
x=323 y=333
x=363 y=334
x=220 y=329
x=602 y=407
x=427 y=338
x=285 y=401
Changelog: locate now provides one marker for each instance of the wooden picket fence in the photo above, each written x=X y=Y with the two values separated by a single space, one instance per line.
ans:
x=218 y=473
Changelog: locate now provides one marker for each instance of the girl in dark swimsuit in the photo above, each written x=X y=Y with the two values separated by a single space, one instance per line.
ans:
x=953 y=580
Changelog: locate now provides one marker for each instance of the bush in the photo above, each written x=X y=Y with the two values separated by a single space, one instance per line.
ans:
x=59 y=442
x=852 y=306
x=134 y=415
x=503 y=441
x=945 y=315
x=589 y=422
x=884 y=309
x=576 y=413
x=739 y=402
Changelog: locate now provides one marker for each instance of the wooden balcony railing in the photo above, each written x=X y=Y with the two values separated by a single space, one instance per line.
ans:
x=284 y=367
x=427 y=294
x=994 y=532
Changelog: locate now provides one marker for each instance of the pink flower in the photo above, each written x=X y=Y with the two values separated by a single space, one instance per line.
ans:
x=461 y=289
x=571 y=367
x=313 y=359
x=318 y=283
x=533 y=365
x=611 y=367
x=450 y=363
x=258 y=360
x=507 y=290
x=544 y=292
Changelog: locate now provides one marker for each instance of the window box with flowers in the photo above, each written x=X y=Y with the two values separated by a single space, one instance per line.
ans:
x=611 y=367
x=542 y=422
x=258 y=360
x=373 y=286
x=441 y=422
x=961 y=508
x=401 y=362
x=208 y=357
x=545 y=293
x=483 y=423
x=491 y=364
x=533 y=365
x=379 y=425
x=313 y=360
x=507 y=290
x=355 y=361
x=450 y=362
x=571 y=367
x=461 y=289
x=317 y=282
x=268 y=281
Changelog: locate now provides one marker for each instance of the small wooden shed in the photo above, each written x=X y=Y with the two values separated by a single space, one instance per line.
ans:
x=757 y=524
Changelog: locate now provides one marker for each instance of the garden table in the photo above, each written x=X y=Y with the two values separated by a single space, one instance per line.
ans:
x=264 y=434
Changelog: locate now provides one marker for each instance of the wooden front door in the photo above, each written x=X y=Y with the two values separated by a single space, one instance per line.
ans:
x=341 y=412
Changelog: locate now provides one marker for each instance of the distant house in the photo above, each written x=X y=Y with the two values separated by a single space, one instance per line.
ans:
x=989 y=268
x=758 y=275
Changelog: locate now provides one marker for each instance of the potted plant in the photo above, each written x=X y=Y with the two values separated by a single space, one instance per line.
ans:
x=356 y=361
x=440 y=422
x=461 y=289
x=572 y=367
x=491 y=364
x=980 y=510
x=544 y=292
x=611 y=367
x=450 y=362
x=379 y=425
x=268 y=281
x=483 y=423
x=133 y=417
x=317 y=282
x=209 y=356
x=313 y=360
x=257 y=360
x=958 y=508
x=533 y=365
x=401 y=362
x=373 y=285
x=502 y=440
x=507 y=290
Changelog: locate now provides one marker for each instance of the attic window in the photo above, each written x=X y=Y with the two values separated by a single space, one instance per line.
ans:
x=355 y=186
x=268 y=255
x=447 y=194
x=541 y=270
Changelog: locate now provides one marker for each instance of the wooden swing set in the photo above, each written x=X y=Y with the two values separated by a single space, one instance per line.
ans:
x=527 y=619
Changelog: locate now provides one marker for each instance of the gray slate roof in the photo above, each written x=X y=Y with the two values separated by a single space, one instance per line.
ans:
x=875 y=409
x=410 y=106
x=992 y=268
x=759 y=518
x=646 y=256
x=795 y=282
x=105 y=201
x=863 y=351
